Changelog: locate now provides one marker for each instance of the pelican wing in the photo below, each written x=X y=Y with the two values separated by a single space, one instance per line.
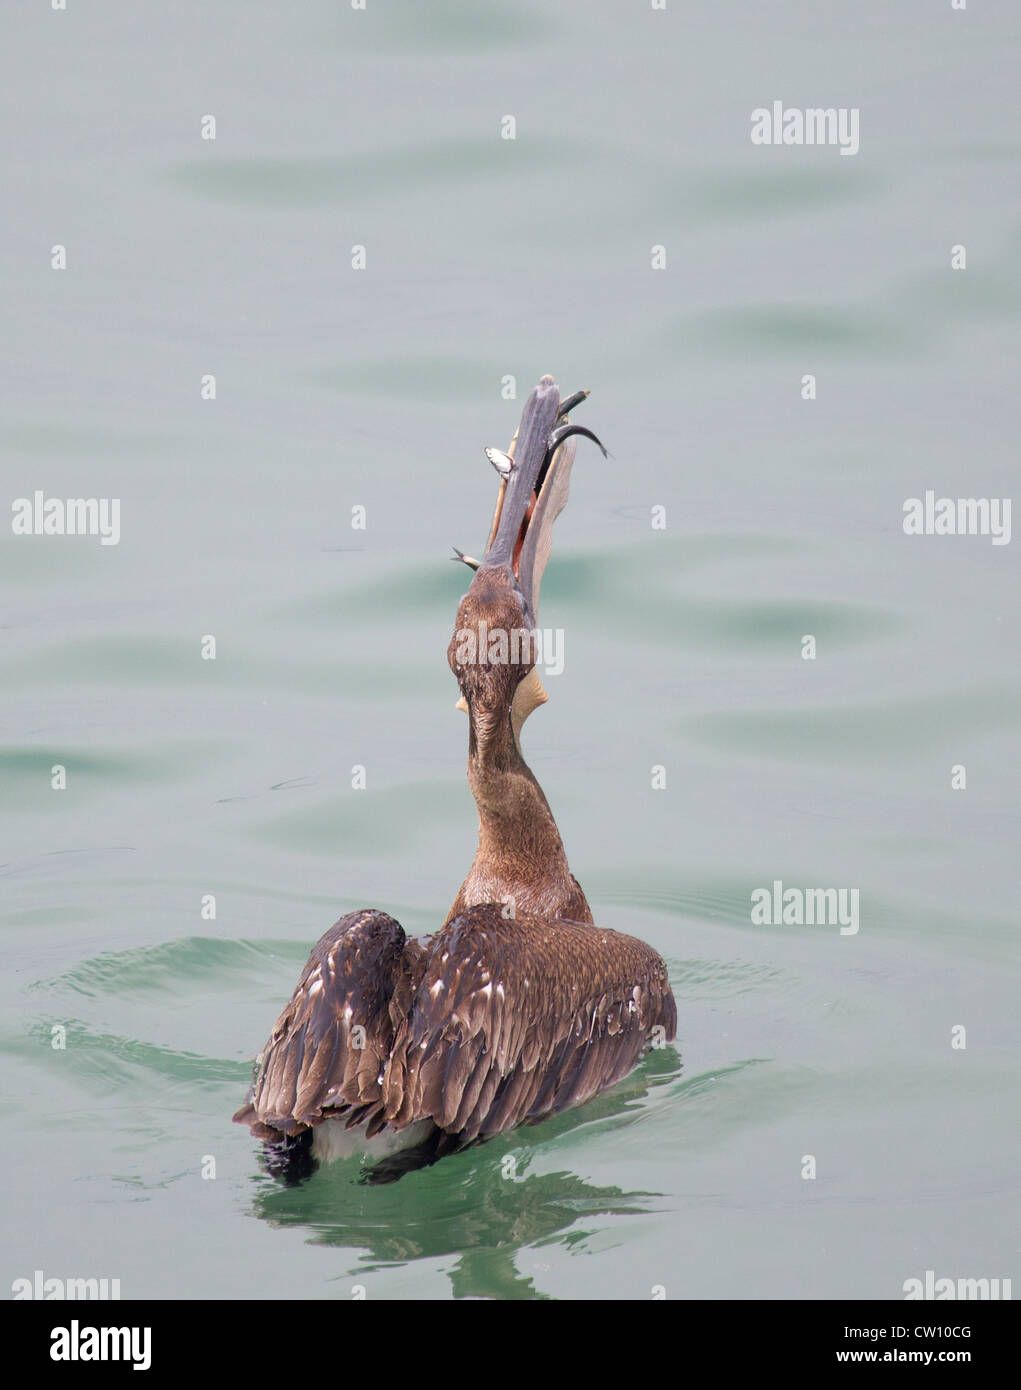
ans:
x=516 y=1019
x=328 y=1049
x=493 y=1023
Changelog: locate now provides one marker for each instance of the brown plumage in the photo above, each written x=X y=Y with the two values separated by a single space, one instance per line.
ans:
x=519 y=1006
x=493 y=1023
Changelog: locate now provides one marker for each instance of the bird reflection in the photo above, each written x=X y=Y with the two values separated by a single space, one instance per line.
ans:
x=482 y=1206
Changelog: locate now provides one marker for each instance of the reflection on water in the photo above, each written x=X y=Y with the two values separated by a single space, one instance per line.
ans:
x=483 y=1206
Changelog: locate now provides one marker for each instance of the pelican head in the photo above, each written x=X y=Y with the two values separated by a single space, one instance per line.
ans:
x=493 y=649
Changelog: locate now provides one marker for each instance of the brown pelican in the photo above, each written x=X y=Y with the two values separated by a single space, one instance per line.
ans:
x=519 y=1006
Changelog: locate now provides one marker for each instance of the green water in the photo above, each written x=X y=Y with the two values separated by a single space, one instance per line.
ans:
x=336 y=388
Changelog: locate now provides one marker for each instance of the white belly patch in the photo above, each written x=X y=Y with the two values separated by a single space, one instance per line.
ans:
x=331 y=1141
